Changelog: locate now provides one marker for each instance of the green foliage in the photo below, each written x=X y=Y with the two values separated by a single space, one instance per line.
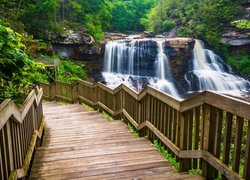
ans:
x=45 y=19
x=69 y=71
x=200 y=19
x=195 y=171
x=16 y=92
x=88 y=107
x=127 y=15
x=35 y=48
x=107 y=116
x=242 y=24
x=17 y=71
x=242 y=64
x=131 y=128
x=167 y=155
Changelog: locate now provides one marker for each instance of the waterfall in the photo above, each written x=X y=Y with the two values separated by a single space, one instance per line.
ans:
x=132 y=63
x=209 y=72
x=163 y=71
x=141 y=62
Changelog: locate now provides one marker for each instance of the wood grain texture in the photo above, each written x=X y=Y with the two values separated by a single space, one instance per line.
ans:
x=84 y=145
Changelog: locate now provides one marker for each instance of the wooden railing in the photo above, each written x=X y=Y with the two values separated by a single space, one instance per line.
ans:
x=206 y=131
x=20 y=131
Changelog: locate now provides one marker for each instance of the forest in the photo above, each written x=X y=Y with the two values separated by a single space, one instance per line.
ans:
x=177 y=72
x=27 y=26
x=201 y=19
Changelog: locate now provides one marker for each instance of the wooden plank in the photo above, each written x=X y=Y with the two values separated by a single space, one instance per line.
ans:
x=109 y=151
x=247 y=156
x=227 y=137
x=95 y=162
x=206 y=128
x=138 y=174
x=167 y=99
x=212 y=133
x=8 y=145
x=196 y=134
x=218 y=132
x=163 y=138
x=9 y=109
x=4 y=153
x=105 y=170
x=230 y=104
x=183 y=140
x=216 y=163
x=190 y=135
x=237 y=143
x=175 y=127
x=1 y=162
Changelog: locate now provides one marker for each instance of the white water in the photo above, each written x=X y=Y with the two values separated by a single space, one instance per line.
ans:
x=213 y=74
x=133 y=63
x=163 y=72
x=122 y=64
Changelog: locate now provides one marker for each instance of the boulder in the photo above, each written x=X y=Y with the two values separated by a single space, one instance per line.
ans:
x=73 y=38
x=235 y=37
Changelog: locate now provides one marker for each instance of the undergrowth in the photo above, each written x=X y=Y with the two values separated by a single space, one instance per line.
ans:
x=131 y=128
x=167 y=155
x=107 y=116
x=88 y=107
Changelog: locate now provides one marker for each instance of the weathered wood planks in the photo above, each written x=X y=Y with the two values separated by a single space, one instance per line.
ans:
x=84 y=145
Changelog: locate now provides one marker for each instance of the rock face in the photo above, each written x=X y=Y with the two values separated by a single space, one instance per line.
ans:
x=74 y=38
x=74 y=45
x=236 y=37
x=77 y=46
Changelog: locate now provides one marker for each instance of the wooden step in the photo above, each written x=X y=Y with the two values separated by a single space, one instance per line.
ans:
x=98 y=171
x=82 y=144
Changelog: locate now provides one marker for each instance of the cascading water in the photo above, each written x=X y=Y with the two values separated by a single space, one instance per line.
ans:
x=163 y=71
x=141 y=62
x=209 y=72
x=132 y=63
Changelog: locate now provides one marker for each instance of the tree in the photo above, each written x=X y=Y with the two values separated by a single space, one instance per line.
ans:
x=201 y=19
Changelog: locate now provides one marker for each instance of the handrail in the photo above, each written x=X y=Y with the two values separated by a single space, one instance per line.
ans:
x=20 y=129
x=190 y=129
x=233 y=105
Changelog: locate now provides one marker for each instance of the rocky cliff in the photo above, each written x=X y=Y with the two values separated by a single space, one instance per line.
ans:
x=238 y=38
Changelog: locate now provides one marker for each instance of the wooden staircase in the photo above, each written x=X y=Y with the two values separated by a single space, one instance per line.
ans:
x=82 y=144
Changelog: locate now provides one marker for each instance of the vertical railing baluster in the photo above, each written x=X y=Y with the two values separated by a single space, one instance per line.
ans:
x=4 y=153
x=247 y=155
x=183 y=140
x=196 y=134
x=205 y=144
x=237 y=143
x=227 y=139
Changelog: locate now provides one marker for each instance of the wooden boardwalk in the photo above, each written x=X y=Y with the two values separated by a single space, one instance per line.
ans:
x=82 y=144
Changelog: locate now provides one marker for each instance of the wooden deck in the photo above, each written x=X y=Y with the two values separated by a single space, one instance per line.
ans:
x=82 y=144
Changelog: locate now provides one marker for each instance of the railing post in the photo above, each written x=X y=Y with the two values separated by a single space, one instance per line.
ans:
x=34 y=117
x=96 y=96
x=75 y=92
x=9 y=146
x=183 y=140
x=206 y=138
x=247 y=159
x=53 y=90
